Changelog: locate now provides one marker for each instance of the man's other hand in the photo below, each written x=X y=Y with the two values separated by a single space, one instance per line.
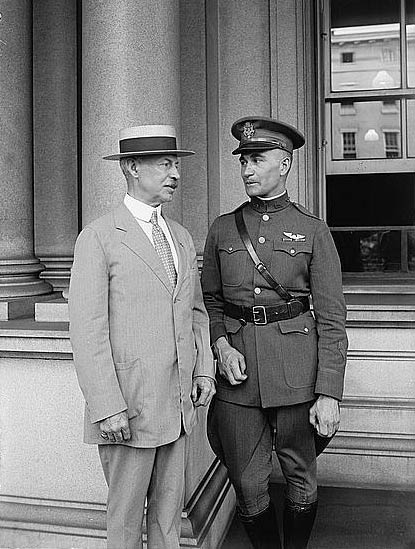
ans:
x=202 y=391
x=325 y=415
x=231 y=363
x=116 y=428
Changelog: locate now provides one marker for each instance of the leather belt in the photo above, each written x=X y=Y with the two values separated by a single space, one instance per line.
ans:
x=260 y=315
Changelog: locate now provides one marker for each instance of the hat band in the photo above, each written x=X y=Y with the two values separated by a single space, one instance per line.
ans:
x=272 y=143
x=263 y=140
x=143 y=144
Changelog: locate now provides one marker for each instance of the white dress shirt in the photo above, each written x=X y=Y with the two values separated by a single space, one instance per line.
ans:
x=142 y=214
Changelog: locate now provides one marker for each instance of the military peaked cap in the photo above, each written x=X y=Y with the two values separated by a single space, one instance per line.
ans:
x=259 y=133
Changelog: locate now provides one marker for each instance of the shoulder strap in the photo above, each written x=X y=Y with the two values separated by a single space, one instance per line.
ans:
x=303 y=210
x=259 y=266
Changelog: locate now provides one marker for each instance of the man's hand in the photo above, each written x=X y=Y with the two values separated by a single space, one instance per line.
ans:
x=231 y=362
x=116 y=428
x=325 y=415
x=202 y=391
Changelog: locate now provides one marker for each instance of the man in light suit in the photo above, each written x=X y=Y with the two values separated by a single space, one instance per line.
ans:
x=140 y=340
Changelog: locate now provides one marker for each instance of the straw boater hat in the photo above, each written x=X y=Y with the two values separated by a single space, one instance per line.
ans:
x=148 y=140
x=260 y=133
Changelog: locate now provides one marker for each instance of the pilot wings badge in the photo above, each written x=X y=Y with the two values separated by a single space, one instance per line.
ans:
x=292 y=237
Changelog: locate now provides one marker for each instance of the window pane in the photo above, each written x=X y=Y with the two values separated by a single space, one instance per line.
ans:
x=380 y=250
x=372 y=219
x=365 y=44
x=369 y=200
x=366 y=129
x=411 y=127
x=410 y=37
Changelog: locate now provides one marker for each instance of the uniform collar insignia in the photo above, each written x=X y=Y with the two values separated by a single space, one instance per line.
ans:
x=249 y=130
x=292 y=237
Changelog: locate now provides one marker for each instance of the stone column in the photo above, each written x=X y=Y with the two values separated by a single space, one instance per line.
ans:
x=55 y=138
x=19 y=269
x=238 y=84
x=130 y=76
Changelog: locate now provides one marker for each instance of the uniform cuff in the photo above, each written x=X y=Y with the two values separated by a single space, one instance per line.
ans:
x=330 y=383
x=217 y=331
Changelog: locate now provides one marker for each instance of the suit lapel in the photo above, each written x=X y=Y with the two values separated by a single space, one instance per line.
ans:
x=137 y=241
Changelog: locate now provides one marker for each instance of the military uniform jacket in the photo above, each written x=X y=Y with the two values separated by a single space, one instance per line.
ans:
x=293 y=360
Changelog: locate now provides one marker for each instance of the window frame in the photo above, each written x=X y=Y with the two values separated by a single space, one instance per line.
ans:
x=329 y=97
x=325 y=99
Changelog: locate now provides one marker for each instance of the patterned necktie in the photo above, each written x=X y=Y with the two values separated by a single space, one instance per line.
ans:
x=163 y=249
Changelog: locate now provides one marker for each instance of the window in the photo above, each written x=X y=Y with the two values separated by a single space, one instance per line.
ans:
x=349 y=145
x=389 y=55
x=391 y=144
x=368 y=176
x=347 y=57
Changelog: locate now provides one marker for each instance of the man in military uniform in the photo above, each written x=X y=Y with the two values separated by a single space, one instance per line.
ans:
x=280 y=367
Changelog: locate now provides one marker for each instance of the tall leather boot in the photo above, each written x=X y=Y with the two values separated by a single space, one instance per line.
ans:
x=262 y=529
x=298 y=522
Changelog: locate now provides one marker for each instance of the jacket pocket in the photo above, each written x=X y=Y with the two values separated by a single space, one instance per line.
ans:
x=290 y=262
x=131 y=380
x=232 y=257
x=292 y=249
x=299 y=350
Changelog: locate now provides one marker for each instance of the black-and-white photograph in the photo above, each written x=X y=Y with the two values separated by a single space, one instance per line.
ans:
x=207 y=274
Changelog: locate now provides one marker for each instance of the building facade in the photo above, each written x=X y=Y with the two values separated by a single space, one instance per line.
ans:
x=73 y=73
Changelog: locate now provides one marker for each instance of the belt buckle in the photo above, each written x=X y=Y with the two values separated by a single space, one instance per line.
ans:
x=259 y=310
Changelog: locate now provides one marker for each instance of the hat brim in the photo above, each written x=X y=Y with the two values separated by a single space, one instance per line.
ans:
x=249 y=147
x=148 y=153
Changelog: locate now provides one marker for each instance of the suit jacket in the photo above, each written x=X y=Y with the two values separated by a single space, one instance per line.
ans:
x=293 y=360
x=136 y=343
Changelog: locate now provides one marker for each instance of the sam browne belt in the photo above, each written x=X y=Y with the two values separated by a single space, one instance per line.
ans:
x=261 y=315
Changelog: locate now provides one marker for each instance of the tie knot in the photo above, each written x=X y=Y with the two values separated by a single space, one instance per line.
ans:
x=153 y=218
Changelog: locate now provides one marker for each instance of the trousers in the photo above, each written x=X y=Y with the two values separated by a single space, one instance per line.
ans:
x=134 y=475
x=244 y=437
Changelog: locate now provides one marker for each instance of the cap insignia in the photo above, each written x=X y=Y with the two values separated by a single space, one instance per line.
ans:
x=249 y=130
